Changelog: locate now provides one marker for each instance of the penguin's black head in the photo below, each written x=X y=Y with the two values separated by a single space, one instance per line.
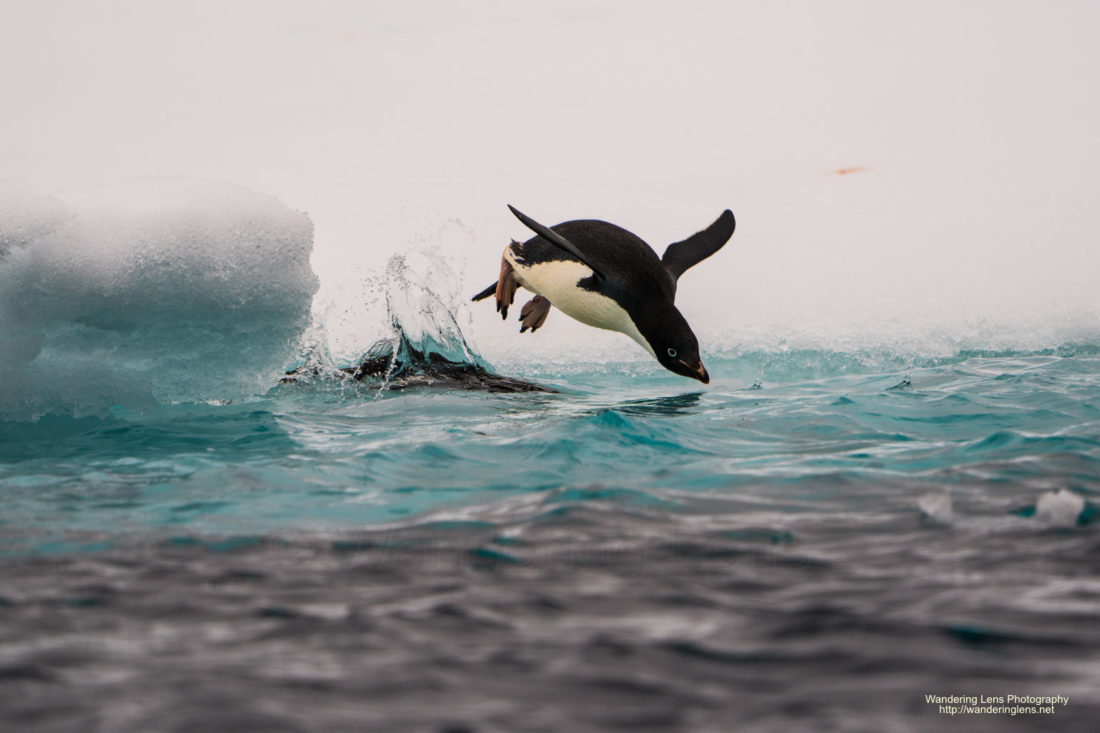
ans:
x=675 y=345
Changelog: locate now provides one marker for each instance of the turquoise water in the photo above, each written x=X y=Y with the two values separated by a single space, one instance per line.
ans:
x=784 y=433
x=814 y=540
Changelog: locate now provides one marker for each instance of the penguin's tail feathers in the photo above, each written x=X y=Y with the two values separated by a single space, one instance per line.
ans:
x=485 y=293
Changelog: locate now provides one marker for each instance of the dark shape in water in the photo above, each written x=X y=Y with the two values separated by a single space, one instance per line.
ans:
x=905 y=384
x=411 y=367
x=672 y=405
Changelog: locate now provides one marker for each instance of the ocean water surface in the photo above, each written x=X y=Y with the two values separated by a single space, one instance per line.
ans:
x=980 y=436
x=623 y=553
x=817 y=539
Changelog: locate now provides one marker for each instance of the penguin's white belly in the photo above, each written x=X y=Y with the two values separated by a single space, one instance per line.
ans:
x=557 y=282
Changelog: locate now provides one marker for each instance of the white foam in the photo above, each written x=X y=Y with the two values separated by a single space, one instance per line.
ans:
x=1060 y=508
x=165 y=289
x=937 y=508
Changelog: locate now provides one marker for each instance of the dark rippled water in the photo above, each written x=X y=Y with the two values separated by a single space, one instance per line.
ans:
x=813 y=542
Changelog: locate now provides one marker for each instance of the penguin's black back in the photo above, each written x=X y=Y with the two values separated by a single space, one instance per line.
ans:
x=632 y=274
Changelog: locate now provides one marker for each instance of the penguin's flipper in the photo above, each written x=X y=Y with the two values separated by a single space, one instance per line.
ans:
x=696 y=248
x=533 y=314
x=485 y=293
x=553 y=237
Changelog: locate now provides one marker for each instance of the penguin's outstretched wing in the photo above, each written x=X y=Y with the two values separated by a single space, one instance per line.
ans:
x=696 y=248
x=554 y=238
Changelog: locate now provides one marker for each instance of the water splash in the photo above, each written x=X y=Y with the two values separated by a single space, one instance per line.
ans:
x=425 y=347
x=421 y=318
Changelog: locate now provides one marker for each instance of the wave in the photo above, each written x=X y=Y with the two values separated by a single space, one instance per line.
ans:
x=771 y=365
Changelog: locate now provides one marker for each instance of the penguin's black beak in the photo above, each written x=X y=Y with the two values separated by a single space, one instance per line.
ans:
x=697 y=371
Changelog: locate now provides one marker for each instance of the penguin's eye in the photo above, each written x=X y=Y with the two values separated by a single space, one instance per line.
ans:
x=672 y=352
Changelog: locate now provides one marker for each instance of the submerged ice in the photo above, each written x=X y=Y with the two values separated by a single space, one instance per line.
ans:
x=157 y=291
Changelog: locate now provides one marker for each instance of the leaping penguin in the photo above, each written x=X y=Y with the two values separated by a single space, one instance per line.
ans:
x=604 y=276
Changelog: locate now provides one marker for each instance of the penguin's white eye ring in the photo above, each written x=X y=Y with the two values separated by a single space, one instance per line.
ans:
x=672 y=352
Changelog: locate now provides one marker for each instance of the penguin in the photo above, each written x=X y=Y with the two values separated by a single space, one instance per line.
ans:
x=604 y=276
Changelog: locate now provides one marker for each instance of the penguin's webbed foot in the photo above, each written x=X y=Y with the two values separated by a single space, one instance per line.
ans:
x=506 y=288
x=533 y=314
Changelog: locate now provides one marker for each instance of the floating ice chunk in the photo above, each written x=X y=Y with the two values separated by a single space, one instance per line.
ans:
x=160 y=290
x=1061 y=508
x=937 y=507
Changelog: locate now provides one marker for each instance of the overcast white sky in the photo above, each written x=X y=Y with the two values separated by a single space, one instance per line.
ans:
x=975 y=122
